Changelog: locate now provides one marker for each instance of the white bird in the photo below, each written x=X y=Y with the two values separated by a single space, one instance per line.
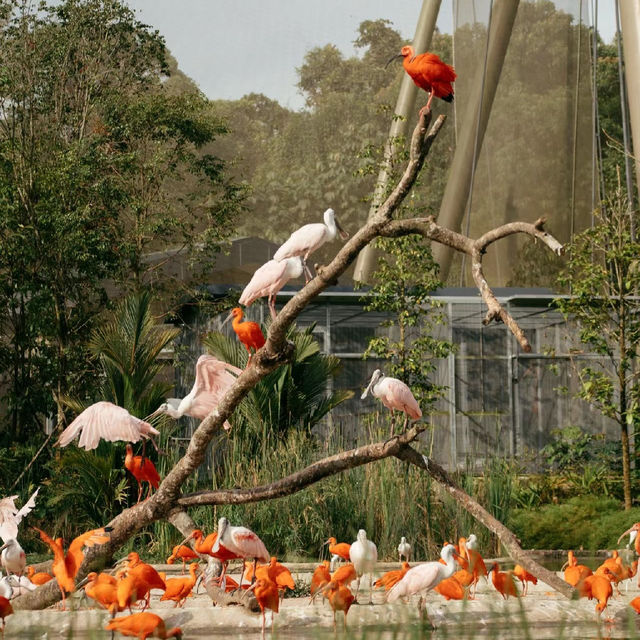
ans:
x=241 y=542
x=269 y=279
x=21 y=585
x=364 y=555
x=213 y=379
x=109 y=422
x=404 y=549
x=13 y=557
x=305 y=240
x=11 y=516
x=424 y=577
x=395 y=395
x=6 y=590
x=472 y=541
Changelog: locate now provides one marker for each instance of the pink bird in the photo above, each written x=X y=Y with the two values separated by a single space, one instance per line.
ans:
x=395 y=395
x=310 y=237
x=213 y=379
x=425 y=577
x=269 y=279
x=241 y=542
x=109 y=422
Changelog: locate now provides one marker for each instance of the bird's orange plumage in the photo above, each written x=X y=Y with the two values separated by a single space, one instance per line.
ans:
x=249 y=333
x=204 y=544
x=144 y=575
x=184 y=553
x=450 y=588
x=525 y=577
x=142 y=469
x=340 y=549
x=503 y=582
x=635 y=604
x=103 y=589
x=598 y=586
x=429 y=73
x=39 y=578
x=390 y=578
x=575 y=573
x=344 y=575
x=179 y=589
x=274 y=571
x=142 y=626
x=340 y=599
x=321 y=577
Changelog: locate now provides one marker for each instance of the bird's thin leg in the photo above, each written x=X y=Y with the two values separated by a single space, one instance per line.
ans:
x=263 y=622
x=272 y=306
x=334 y=621
x=161 y=452
x=345 y=620
x=371 y=588
x=307 y=272
x=255 y=566
x=406 y=422
x=358 y=587
x=139 y=492
x=393 y=422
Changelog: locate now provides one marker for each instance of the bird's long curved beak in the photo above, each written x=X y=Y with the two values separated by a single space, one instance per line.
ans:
x=398 y=55
x=626 y=533
x=343 y=234
x=564 y=566
x=227 y=319
x=367 y=390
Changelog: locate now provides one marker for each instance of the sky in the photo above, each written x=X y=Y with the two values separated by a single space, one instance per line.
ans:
x=234 y=47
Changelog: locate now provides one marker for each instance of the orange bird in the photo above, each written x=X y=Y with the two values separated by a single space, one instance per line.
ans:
x=65 y=566
x=203 y=545
x=503 y=582
x=575 y=573
x=635 y=604
x=38 y=578
x=145 y=577
x=340 y=549
x=598 y=586
x=179 y=589
x=5 y=610
x=344 y=575
x=184 y=553
x=429 y=73
x=340 y=599
x=475 y=562
x=143 y=470
x=249 y=333
x=450 y=588
x=320 y=578
x=390 y=578
x=266 y=593
x=274 y=571
x=103 y=589
x=525 y=577
x=142 y=626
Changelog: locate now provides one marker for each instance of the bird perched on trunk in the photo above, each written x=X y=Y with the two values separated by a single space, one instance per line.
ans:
x=213 y=379
x=305 y=240
x=364 y=555
x=109 y=422
x=395 y=395
x=429 y=73
x=269 y=279
x=249 y=333
x=143 y=625
x=143 y=470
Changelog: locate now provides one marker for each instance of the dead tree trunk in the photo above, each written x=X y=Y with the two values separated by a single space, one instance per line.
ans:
x=168 y=500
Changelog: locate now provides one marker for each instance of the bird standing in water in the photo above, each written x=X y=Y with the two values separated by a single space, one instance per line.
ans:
x=429 y=73
x=364 y=555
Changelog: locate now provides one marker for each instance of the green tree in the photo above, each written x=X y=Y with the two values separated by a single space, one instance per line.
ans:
x=603 y=277
x=404 y=281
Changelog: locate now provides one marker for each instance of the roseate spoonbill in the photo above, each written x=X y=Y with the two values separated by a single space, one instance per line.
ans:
x=109 y=422
x=425 y=577
x=213 y=379
x=13 y=558
x=395 y=395
x=143 y=470
x=525 y=577
x=5 y=611
x=241 y=542
x=6 y=590
x=391 y=578
x=429 y=73
x=632 y=532
x=364 y=555
x=11 y=516
x=142 y=626
x=178 y=589
x=340 y=598
x=249 y=333
x=65 y=566
x=305 y=240
x=404 y=549
x=503 y=581
x=269 y=279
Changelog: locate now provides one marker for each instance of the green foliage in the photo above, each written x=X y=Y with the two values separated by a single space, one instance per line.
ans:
x=589 y=522
x=294 y=396
x=404 y=280
x=570 y=448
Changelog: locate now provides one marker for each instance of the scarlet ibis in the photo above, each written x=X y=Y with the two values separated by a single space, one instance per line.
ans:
x=320 y=578
x=269 y=279
x=425 y=577
x=305 y=240
x=266 y=593
x=391 y=578
x=143 y=578
x=395 y=395
x=429 y=73
x=503 y=582
x=5 y=610
x=249 y=333
x=178 y=589
x=109 y=422
x=142 y=469
x=213 y=379
x=340 y=599
x=404 y=549
x=364 y=555
x=143 y=625
x=525 y=577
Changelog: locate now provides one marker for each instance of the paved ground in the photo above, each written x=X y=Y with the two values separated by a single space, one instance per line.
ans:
x=542 y=614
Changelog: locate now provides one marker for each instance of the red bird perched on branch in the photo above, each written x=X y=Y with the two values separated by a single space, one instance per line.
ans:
x=429 y=73
x=249 y=333
x=142 y=469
